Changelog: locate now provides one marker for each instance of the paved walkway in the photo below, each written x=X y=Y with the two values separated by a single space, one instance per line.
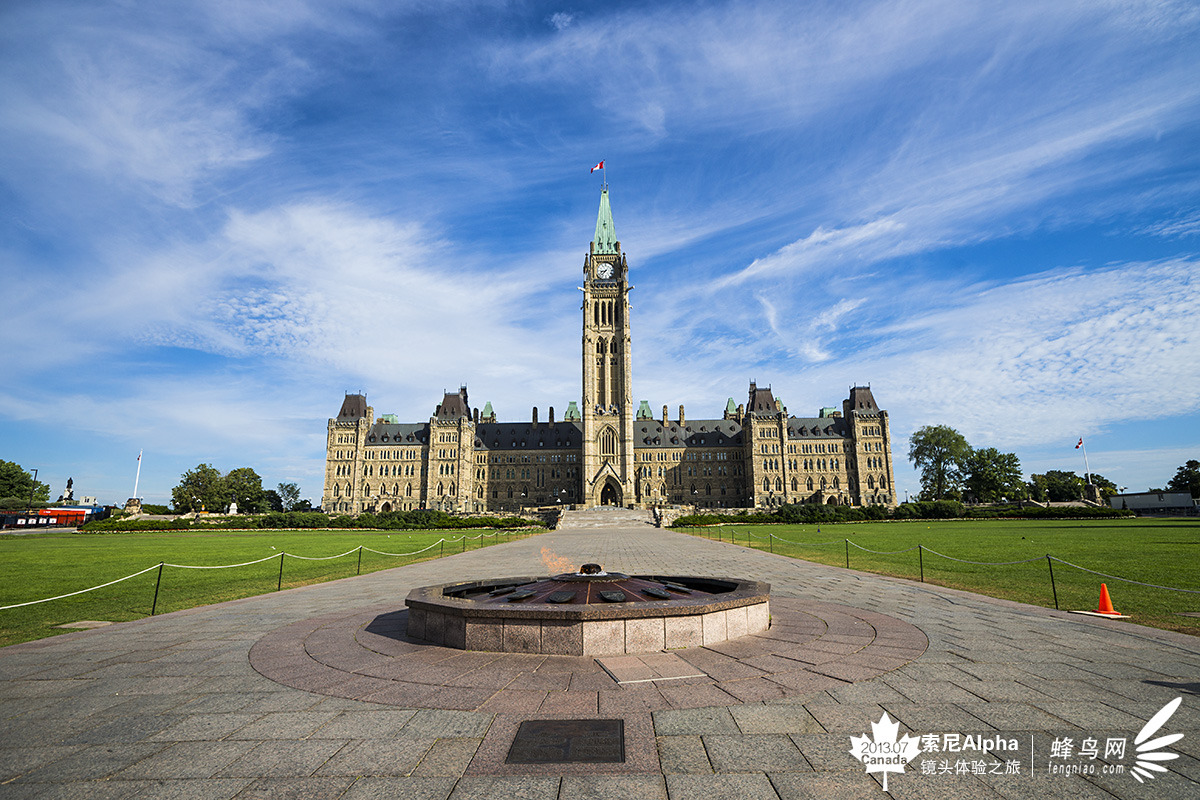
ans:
x=172 y=707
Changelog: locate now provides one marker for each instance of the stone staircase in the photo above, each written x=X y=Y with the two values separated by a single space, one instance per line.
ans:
x=605 y=517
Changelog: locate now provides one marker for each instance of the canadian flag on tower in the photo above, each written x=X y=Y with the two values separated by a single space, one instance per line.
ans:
x=1079 y=445
x=598 y=166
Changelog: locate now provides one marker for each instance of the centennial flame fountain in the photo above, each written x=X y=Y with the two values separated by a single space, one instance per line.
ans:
x=588 y=613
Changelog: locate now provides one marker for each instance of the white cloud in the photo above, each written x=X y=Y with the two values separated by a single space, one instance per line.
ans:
x=561 y=20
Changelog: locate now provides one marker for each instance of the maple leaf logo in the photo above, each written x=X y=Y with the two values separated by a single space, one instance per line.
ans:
x=885 y=753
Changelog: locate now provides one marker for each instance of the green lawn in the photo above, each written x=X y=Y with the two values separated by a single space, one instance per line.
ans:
x=1163 y=552
x=37 y=566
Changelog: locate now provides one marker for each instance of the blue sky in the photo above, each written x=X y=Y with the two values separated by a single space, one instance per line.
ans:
x=217 y=217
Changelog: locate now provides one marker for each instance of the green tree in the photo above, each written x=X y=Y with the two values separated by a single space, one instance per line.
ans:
x=990 y=475
x=273 y=500
x=938 y=451
x=1107 y=487
x=16 y=486
x=289 y=495
x=244 y=486
x=1056 y=486
x=201 y=489
x=1187 y=479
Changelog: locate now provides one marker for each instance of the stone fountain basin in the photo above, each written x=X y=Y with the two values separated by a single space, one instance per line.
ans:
x=729 y=609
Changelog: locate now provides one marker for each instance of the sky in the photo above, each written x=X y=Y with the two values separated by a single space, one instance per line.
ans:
x=217 y=218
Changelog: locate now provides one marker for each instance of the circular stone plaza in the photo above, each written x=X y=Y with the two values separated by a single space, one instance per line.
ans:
x=321 y=692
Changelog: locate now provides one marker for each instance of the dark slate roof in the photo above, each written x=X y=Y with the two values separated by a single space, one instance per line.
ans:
x=862 y=401
x=761 y=401
x=408 y=433
x=454 y=405
x=353 y=407
x=818 y=428
x=527 y=436
x=693 y=433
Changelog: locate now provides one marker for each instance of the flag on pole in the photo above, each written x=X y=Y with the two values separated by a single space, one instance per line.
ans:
x=598 y=166
x=1079 y=445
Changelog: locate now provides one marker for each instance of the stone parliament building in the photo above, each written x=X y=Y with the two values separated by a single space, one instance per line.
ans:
x=608 y=452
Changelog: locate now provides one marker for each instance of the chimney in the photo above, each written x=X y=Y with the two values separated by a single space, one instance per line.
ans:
x=476 y=416
x=682 y=421
x=551 y=415
x=664 y=415
x=535 y=416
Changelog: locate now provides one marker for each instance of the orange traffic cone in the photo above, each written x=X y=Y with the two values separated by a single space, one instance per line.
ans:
x=1106 y=606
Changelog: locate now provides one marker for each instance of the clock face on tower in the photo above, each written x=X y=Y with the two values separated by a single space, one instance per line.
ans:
x=604 y=271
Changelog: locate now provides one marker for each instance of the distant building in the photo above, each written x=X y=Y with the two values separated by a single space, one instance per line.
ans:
x=1168 y=503
x=605 y=450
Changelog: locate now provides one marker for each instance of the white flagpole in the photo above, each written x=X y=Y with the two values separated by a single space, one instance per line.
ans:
x=139 y=474
x=1087 y=471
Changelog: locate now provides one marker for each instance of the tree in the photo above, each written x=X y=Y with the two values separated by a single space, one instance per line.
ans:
x=289 y=494
x=1187 y=479
x=1107 y=488
x=990 y=475
x=245 y=487
x=938 y=451
x=16 y=486
x=1056 y=486
x=201 y=489
x=273 y=501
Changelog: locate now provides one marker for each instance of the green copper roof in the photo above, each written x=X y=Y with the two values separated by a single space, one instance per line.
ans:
x=731 y=407
x=487 y=409
x=572 y=413
x=644 y=411
x=606 y=235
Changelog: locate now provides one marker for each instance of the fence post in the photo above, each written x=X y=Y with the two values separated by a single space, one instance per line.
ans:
x=441 y=547
x=847 y=553
x=1053 y=588
x=359 y=572
x=771 y=541
x=464 y=547
x=279 y=585
x=157 y=582
x=921 y=559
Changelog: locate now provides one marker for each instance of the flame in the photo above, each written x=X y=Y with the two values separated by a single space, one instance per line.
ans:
x=556 y=564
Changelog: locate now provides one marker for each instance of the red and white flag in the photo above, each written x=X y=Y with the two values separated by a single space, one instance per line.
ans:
x=598 y=166
x=1079 y=445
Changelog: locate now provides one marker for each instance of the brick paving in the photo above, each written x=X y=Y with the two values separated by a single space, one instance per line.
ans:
x=174 y=707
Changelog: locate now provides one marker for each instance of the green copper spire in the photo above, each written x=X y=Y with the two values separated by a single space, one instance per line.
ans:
x=606 y=234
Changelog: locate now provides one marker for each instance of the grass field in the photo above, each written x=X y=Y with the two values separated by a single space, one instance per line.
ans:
x=36 y=566
x=1163 y=552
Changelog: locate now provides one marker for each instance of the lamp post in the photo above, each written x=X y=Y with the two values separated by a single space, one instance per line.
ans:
x=32 y=489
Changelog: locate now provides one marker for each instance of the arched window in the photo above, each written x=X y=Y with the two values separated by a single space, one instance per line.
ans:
x=408 y=490
x=441 y=489
x=870 y=481
x=795 y=485
x=810 y=484
x=608 y=444
x=766 y=484
x=836 y=483
x=453 y=489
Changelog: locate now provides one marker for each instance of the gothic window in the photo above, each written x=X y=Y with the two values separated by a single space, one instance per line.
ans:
x=766 y=485
x=795 y=485
x=441 y=490
x=778 y=485
x=870 y=482
x=836 y=483
x=810 y=484
x=608 y=444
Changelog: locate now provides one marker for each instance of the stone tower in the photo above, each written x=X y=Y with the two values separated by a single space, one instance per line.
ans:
x=608 y=471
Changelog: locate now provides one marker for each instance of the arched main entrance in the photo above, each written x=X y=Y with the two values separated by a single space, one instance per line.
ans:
x=610 y=494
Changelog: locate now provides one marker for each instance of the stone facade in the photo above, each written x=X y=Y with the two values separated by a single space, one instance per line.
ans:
x=755 y=455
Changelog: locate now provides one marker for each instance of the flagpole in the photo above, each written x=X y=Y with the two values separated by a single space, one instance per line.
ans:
x=1087 y=471
x=139 y=475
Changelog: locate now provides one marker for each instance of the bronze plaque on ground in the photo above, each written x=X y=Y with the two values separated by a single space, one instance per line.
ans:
x=568 y=741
